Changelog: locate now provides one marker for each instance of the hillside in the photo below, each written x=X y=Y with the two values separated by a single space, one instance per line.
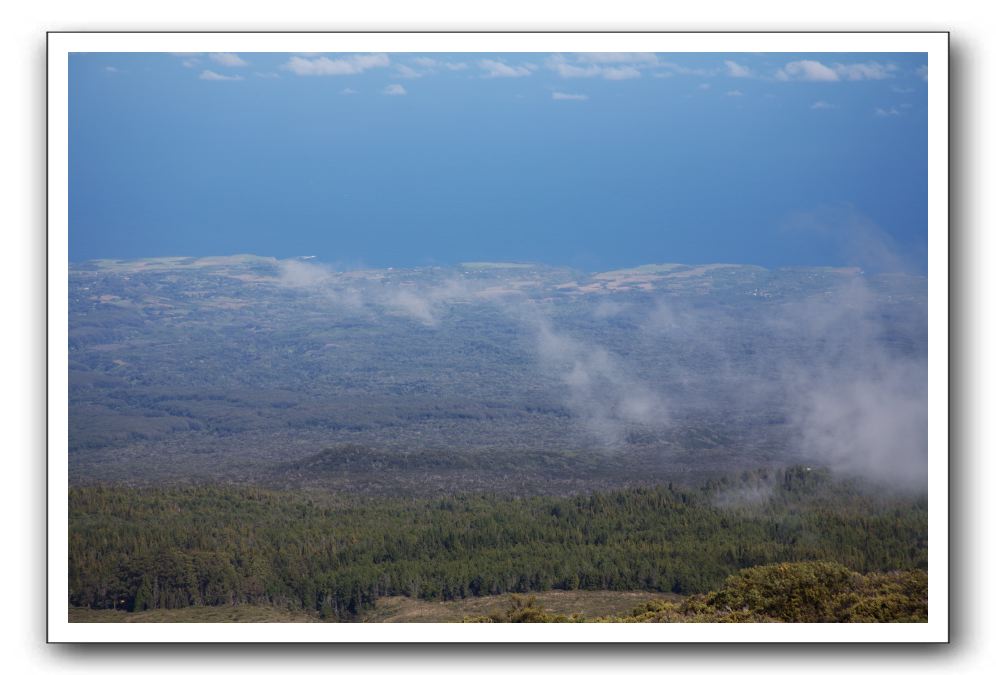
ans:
x=339 y=554
x=521 y=377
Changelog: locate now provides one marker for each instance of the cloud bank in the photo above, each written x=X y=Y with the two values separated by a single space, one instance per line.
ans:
x=814 y=71
x=324 y=66
x=836 y=373
x=494 y=68
x=218 y=77
x=228 y=60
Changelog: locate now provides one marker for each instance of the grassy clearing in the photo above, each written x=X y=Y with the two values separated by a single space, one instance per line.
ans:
x=400 y=609
x=224 y=614
x=590 y=604
x=803 y=592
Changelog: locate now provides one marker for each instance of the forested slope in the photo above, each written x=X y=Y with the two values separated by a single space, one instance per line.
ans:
x=137 y=549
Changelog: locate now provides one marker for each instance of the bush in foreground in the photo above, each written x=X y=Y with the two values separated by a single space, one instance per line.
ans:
x=807 y=592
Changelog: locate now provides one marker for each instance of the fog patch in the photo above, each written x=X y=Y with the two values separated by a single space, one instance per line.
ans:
x=661 y=320
x=599 y=388
x=425 y=304
x=825 y=366
x=744 y=495
x=856 y=401
x=299 y=274
x=871 y=424
x=374 y=290
x=609 y=309
x=860 y=240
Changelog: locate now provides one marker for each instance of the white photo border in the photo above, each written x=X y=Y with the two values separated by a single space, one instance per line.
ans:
x=61 y=44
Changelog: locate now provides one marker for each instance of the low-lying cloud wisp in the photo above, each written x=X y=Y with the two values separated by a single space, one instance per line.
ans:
x=838 y=370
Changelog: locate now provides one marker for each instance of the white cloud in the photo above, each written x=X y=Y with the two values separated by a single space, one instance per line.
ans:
x=494 y=68
x=864 y=71
x=734 y=92
x=822 y=105
x=228 y=60
x=423 y=304
x=922 y=72
x=854 y=237
x=645 y=58
x=629 y=65
x=349 y=65
x=437 y=64
x=407 y=72
x=299 y=274
x=348 y=91
x=598 y=387
x=561 y=96
x=211 y=75
x=903 y=90
x=734 y=69
x=559 y=64
x=814 y=71
x=625 y=73
x=394 y=90
x=685 y=70
x=811 y=71
x=854 y=402
x=111 y=69
x=887 y=112
x=190 y=59
x=564 y=69
x=705 y=86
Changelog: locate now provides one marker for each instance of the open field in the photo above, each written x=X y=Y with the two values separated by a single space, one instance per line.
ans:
x=221 y=614
x=398 y=609
x=590 y=604
x=812 y=592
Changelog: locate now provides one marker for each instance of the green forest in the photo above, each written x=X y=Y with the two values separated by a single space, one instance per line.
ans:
x=335 y=554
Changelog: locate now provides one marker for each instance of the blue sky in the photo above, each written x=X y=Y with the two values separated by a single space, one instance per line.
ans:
x=595 y=161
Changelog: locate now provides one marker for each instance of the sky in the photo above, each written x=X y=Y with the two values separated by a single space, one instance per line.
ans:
x=594 y=161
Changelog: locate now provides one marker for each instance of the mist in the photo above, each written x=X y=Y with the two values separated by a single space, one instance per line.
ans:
x=851 y=396
x=599 y=387
x=856 y=402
